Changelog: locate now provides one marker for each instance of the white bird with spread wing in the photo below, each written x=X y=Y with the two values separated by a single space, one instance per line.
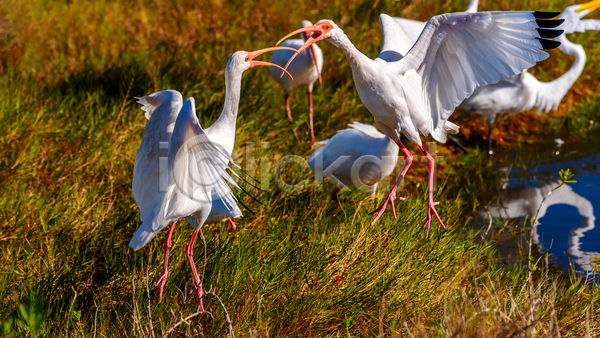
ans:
x=524 y=92
x=355 y=157
x=162 y=109
x=305 y=69
x=194 y=178
x=412 y=91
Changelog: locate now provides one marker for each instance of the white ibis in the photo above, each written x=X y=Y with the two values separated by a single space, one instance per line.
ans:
x=305 y=69
x=524 y=92
x=364 y=156
x=162 y=109
x=196 y=160
x=413 y=89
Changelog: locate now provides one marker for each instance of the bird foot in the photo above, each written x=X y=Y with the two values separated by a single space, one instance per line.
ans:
x=431 y=210
x=389 y=200
x=162 y=280
x=231 y=224
x=199 y=294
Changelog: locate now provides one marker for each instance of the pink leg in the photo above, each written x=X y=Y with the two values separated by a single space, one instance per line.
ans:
x=287 y=107
x=189 y=251
x=310 y=115
x=162 y=280
x=431 y=203
x=392 y=196
x=233 y=227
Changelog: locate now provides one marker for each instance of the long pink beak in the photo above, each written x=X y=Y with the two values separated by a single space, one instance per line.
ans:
x=256 y=53
x=317 y=36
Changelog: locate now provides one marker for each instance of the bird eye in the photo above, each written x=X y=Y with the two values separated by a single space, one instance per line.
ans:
x=328 y=27
x=247 y=58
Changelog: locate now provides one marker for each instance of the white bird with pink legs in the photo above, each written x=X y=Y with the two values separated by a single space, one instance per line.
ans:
x=412 y=90
x=306 y=69
x=193 y=180
x=355 y=157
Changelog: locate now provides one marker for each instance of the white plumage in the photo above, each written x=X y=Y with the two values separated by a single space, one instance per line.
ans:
x=415 y=92
x=413 y=28
x=367 y=156
x=161 y=110
x=306 y=69
x=194 y=175
x=524 y=92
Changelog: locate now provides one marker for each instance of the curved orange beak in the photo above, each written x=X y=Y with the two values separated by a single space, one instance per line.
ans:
x=319 y=33
x=256 y=53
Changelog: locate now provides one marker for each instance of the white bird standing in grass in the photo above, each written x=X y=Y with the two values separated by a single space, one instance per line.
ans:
x=414 y=90
x=524 y=92
x=194 y=177
x=305 y=69
x=162 y=109
x=364 y=156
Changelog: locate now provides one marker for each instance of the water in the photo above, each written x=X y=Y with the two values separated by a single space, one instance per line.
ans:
x=567 y=219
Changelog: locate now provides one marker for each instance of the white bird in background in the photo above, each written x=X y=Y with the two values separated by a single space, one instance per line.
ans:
x=305 y=69
x=361 y=155
x=524 y=92
x=414 y=90
x=413 y=28
x=196 y=160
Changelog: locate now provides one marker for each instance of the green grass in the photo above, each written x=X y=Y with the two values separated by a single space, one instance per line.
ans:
x=70 y=130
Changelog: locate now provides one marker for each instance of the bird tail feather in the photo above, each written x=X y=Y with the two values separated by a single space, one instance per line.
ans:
x=149 y=103
x=452 y=128
x=144 y=233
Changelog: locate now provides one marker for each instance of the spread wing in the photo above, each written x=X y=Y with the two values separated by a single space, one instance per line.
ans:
x=580 y=26
x=197 y=168
x=161 y=110
x=396 y=42
x=196 y=174
x=412 y=28
x=458 y=52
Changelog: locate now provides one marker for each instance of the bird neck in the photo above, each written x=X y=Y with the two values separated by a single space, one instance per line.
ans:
x=564 y=82
x=355 y=57
x=473 y=4
x=225 y=125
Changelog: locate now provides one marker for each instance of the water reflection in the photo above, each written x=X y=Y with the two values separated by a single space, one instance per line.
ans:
x=522 y=202
x=568 y=217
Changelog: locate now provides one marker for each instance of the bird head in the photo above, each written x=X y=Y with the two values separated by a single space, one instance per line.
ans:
x=573 y=14
x=241 y=61
x=323 y=29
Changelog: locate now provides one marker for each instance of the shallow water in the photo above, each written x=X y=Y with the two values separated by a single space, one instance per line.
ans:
x=568 y=218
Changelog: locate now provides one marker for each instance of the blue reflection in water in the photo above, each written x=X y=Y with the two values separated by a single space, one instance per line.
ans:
x=568 y=217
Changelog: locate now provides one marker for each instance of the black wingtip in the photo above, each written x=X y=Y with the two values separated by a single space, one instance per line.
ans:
x=245 y=206
x=549 y=33
x=545 y=15
x=548 y=44
x=549 y=23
